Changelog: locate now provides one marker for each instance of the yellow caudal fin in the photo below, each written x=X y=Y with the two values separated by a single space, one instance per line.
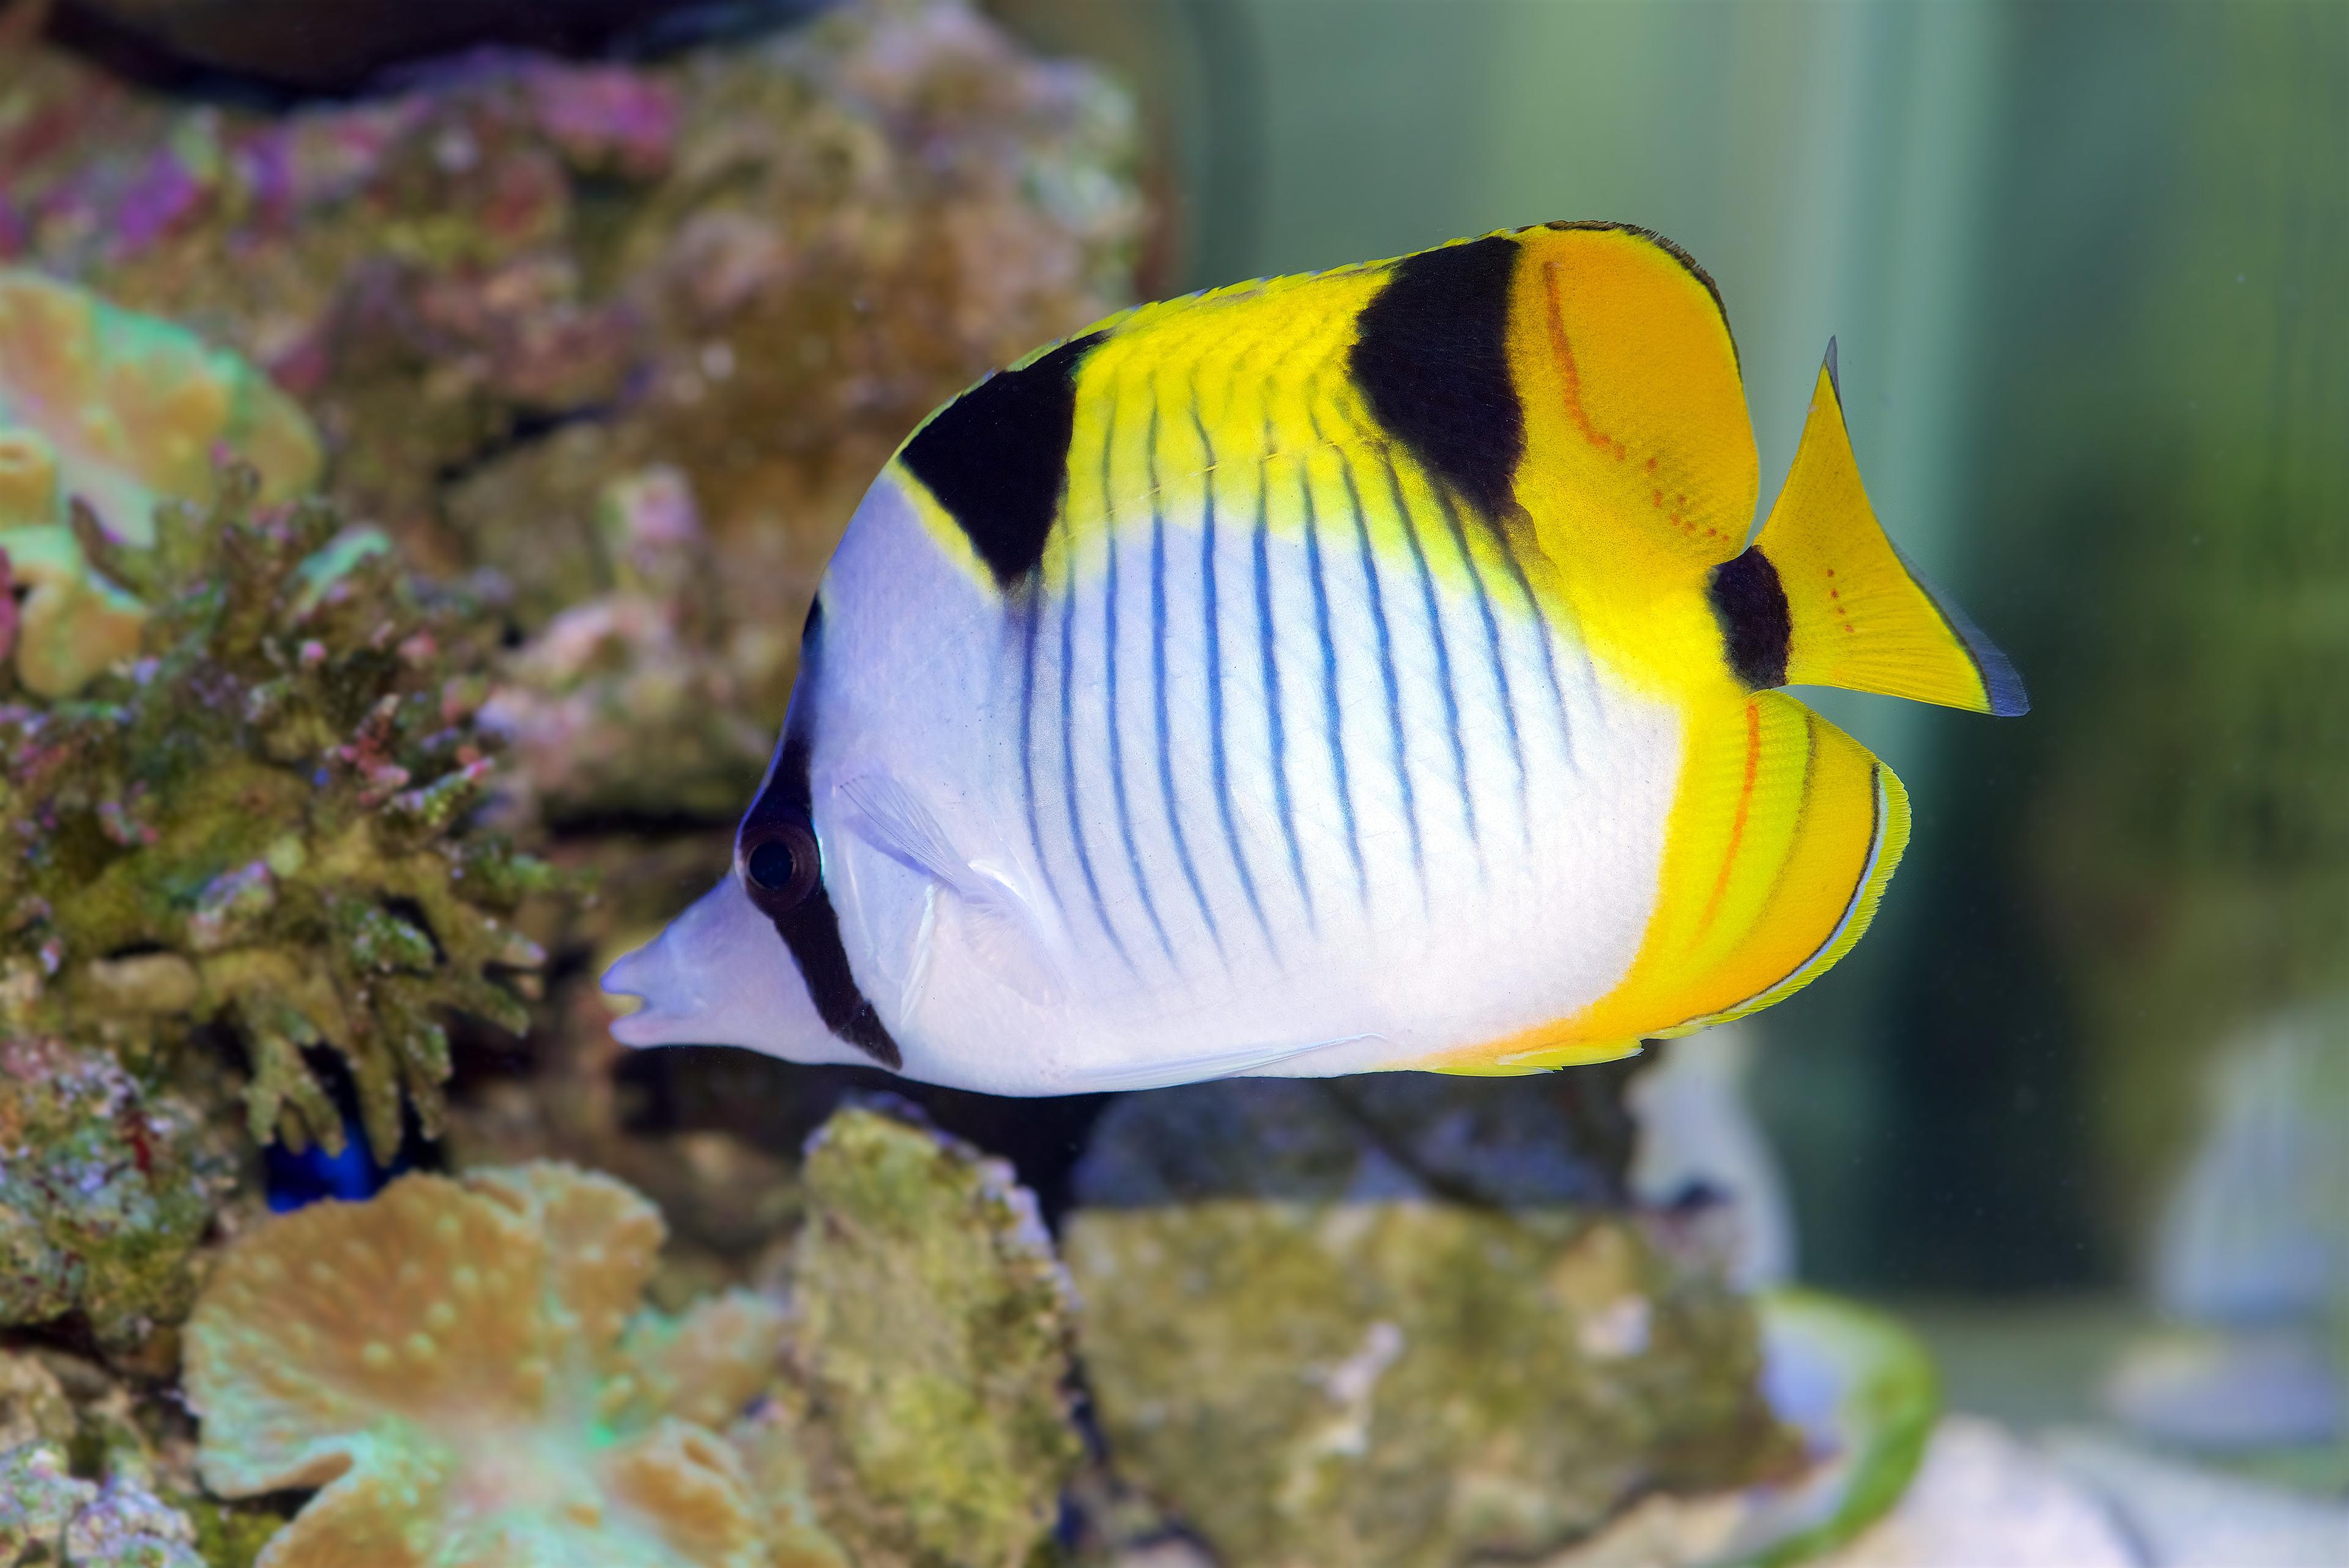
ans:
x=1858 y=615
x=1782 y=835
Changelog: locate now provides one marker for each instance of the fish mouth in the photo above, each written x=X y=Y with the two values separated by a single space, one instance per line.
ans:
x=719 y=975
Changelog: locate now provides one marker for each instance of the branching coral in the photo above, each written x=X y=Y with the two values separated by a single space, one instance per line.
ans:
x=463 y=1368
x=264 y=819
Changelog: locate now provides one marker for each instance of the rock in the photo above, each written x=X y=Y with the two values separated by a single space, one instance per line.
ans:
x=1396 y=1381
x=33 y=1404
x=508 y=285
x=1562 y=1138
x=106 y=1189
x=933 y=1343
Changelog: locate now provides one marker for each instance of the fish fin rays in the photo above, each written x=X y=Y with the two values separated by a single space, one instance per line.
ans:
x=1860 y=616
x=1782 y=834
x=996 y=923
x=1635 y=407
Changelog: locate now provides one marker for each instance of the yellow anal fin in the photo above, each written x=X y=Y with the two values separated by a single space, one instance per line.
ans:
x=1781 y=840
x=1858 y=615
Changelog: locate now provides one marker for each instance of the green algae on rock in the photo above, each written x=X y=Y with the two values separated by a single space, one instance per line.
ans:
x=106 y=1190
x=264 y=819
x=931 y=1351
x=1409 y=1383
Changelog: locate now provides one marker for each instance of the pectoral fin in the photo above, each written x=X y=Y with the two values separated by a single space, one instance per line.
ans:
x=988 y=912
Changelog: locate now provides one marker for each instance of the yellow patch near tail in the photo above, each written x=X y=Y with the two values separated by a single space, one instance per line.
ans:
x=1860 y=616
x=1781 y=840
x=1639 y=457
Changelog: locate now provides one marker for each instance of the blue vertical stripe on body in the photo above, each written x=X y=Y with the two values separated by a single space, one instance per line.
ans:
x=1029 y=608
x=1109 y=690
x=1219 y=768
x=1500 y=664
x=1541 y=636
x=1069 y=750
x=1267 y=653
x=1442 y=656
x=1158 y=682
x=1397 y=744
x=1333 y=722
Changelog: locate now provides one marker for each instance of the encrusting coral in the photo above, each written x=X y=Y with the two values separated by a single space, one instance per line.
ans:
x=50 y=1516
x=105 y=1188
x=465 y=1368
x=119 y=412
x=264 y=819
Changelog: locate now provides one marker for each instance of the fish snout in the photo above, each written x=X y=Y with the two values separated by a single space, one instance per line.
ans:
x=719 y=975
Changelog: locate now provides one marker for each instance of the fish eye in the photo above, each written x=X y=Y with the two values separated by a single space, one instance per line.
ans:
x=779 y=864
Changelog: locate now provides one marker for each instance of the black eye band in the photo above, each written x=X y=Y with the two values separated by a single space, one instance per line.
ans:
x=783 y=871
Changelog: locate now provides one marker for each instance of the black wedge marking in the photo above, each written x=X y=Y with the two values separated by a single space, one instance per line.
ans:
x=1750 y=603
x=1219 y=761
x=997 y=457
x=811 y=929
x=1432 y=357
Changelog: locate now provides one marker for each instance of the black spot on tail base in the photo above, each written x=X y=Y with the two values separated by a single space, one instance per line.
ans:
x=1432 y=357
x=997 y=457
x=1750 y=603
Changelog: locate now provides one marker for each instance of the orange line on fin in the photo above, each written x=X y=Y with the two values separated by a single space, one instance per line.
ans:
x=1737 y=827
x=1565 y=352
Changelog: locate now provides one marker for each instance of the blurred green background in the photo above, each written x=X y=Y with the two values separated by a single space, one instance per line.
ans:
x=2089 y=267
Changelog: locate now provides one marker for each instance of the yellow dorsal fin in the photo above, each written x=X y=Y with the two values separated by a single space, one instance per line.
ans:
x=1858 y=615
x=1636 y=427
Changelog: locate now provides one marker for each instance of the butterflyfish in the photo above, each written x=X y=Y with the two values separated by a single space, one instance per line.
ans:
x=1361 y=670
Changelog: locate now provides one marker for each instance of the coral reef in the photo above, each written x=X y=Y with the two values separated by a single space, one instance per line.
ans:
x=618 y=705
x=467 y=1368
x=117 y=412
x=510 y=284
x=262 y=819
x=931 y=1347
x=106 y=1189
x=1410 y=1383
x=48 y=1516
